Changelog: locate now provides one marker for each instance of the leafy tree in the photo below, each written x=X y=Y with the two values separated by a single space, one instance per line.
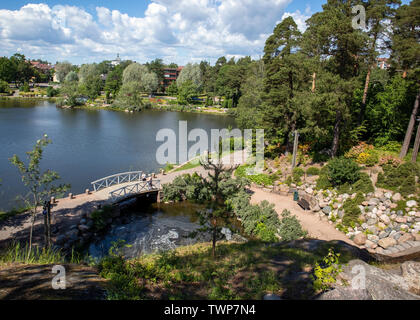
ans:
x=40 y=184
x=87 y=72
x=130 y=96
x=150 y=82
x=172 y=89
x=186 y=92
x=71 y=76
x=70 y=90
x=91 y=86
x=191 y=73
x=156 y=67
x=23 y=69
x=62 y=69
x=4 y=87
x=7 y=70
x=133 y=73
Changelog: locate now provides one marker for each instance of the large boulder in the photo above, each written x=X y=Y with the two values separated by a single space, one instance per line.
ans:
x=366 y=282
x=387 y=242
x=360 y=239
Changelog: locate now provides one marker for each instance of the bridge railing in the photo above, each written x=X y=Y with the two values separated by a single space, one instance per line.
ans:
x=116 y=179
x=138 y=188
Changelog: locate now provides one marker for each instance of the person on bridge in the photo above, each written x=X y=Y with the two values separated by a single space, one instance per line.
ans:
x=143 y=177
x=150 y=182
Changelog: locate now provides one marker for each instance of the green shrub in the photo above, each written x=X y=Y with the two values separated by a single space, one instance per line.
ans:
x=290 y=228
x=245 y=171
x=392 y=146
x=261 y=220
x=51 y=92
x=342 y=170
x=298 y=173
x=401 y=179
x=326 y=272
x=4 y=87
x=364 y=184
x=323 y=183
x=25 y=88
x=352 y=211
x=313 y=171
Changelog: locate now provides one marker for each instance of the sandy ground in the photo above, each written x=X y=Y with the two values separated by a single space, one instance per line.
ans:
x=310 y=222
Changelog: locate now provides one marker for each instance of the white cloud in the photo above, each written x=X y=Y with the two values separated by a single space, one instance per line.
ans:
x=178 y=31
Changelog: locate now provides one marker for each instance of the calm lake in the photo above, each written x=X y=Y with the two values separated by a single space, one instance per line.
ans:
x=87 y=145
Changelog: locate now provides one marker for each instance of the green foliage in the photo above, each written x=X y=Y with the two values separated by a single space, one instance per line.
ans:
x=40 y=184
x=323 y=183
x=364 y=184
x=186 y=187
x=100 y=218
x=290 y=228
x=401 y=179
x=186 y=92
x=260 y=221
x=51 y=92
x=313 y=171
x=25 y=88
x=4 y=87
x=246 y=171
x=326 y=272
x=352 y=211
x=16 y=253
x=298 y=173
x=130 y=97
x=342 y=170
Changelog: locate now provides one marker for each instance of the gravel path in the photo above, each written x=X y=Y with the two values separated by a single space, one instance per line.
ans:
x=316 y=228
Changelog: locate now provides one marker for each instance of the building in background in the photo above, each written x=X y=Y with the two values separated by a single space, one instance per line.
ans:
x=117 y=61
x=170 y=75
x=382 y=63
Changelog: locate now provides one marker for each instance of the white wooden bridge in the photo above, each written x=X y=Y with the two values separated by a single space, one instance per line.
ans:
x=123 y=186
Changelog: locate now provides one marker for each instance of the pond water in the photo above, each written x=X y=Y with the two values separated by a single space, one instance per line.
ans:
x=87 y=144
x=160 y=227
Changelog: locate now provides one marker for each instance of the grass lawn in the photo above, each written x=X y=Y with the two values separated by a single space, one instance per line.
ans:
x=240 y=271
x=6 y=215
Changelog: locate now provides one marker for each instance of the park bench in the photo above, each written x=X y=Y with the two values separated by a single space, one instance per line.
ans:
x=304 y=204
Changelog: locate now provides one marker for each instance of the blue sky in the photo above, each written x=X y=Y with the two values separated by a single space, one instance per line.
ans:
x=181 y=31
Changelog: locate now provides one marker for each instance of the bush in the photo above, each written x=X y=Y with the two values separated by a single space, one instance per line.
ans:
x=342 y=170
x=260 y=221
x=4 y=87
x=364 y=184
x=298 y=173
x=325 y=274
x=392 y=146
x=245 y=171
x=290 y=228
x=323 y=183
x=313 y=171
x=400 y=179
x=352 y=211
x=25 y=88
x=51 y=92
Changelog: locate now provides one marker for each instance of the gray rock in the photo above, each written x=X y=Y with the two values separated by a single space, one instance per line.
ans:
x=372 y=222
x=411 y=203
x=396 y=197
x=341 y=293
x=380 y=284
x=327 y=210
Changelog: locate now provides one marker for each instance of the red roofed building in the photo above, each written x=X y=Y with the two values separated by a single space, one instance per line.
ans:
x=41 y=66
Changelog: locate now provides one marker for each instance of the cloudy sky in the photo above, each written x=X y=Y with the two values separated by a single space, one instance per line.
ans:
x=175 y=30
